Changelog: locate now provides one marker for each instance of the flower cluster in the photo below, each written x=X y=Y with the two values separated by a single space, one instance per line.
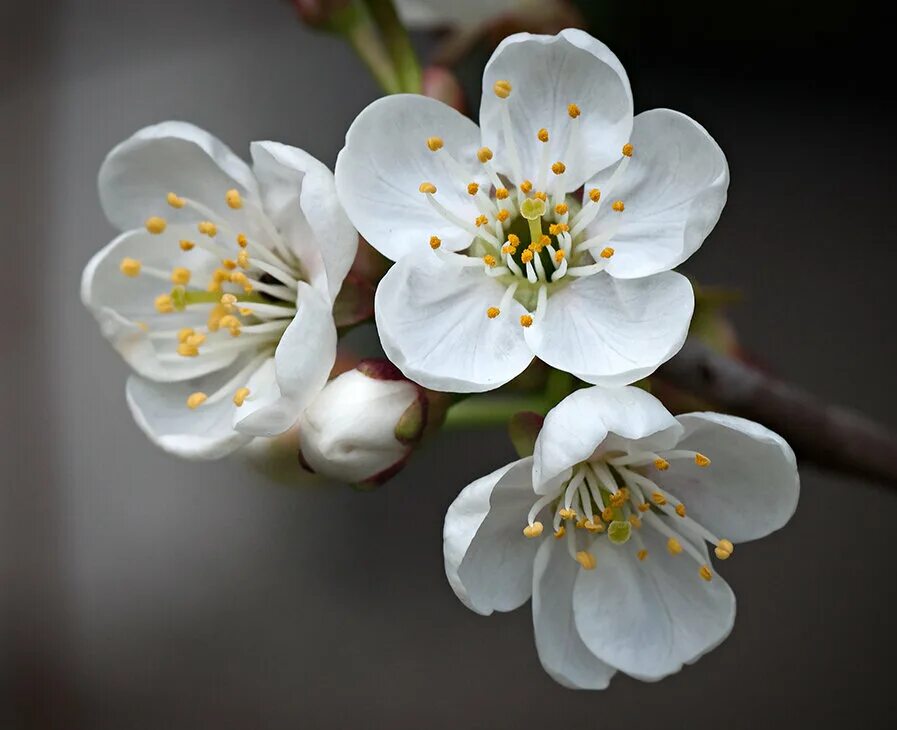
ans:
x=549 y=231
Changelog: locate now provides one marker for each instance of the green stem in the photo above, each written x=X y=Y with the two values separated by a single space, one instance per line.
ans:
x=356 y=23
x=487 y=410
x=397 y=44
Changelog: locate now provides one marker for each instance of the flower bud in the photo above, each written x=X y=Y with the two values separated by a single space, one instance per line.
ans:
x=440 y=83
x=363 y=426
x=320 y=13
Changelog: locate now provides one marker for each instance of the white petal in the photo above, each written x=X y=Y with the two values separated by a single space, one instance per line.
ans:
x=599 y=419
x=751 y=486
x=432 y=321
x=488 y=561
x=161 y=411
x=674 y=190
x=303 y=361
x=648 y=618
x=562 y=653
x=299 y=196
x=612 y=332
x=123 y=306
x=385 y=160
x=547 y=73
x=171 y=157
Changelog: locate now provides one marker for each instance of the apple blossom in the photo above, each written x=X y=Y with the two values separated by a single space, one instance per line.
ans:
x=499 y=257
x=606 y=527
x=221 y=305
x=363 y=425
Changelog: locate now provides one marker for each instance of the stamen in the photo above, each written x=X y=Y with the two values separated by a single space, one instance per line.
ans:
x=156 y=225
x=526 y=320
x=502 y=88
x=705 y=573
x=493 y=312
x=618 y=206
x=164 y=304
x=194 y=400
x=642 y=554
x=428 y=188
x=501 y=193
x=558 y=168
x=130 y=267
x=207 y=228
x=434 y=143
x=586 y=560
x=233 y=199
x=627 y=150
x=484 y=154
x=180 y=275
x=680 y=509
x=724 y=549
x=473 y=188
x=175 y=201
x=186 y=245
x=533 y=530
x=240 y=396
x=674 y=546
x=573 y=111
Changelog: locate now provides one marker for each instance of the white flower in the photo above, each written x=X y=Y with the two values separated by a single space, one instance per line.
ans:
x=594 y=526
x=362 y=427
x=219 y=291
x=589 y=282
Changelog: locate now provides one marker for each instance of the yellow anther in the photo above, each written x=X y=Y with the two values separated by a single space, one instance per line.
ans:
x=233 y=199
x=559 y=256
x=644 y=507
x=473 y=188
x=702 y=460
x=539 y=195
x=560 y=532
x=207 y=228
x=593 y=526
x=229 y=321
x=240 y=396
x=508 y=248
x=635 y=521
x=195 y=339
x=503 y=215
x=581 y=522
x=174 y=200
x=238 y=277
x=553 y=229
x=220 y=275
x=586 y=560
x=542 y=135
x=561 y=209
x=658 y=499
x=606 y=252
x=607 y=514
x=617 y=499
x=195 y=400
x=243 y=260
x=502 y=88
x=642 y=554
x=625 y=492
x=533 y=530
x=480 y=220
x=724 y=549
x=680 y=509
x=427 y=187
x=705 y=573
x=514 y=240
x=661 y=464
x=501 y=193
x=484 y=154
x=435 y=242
x=594 y=195
x=489 y=260
x=526 y=256
x=544 y=241
x=129 y=266
x=673 y=546
x=185 y=349
x=186 y=245
x=563 y=227
x=567 y=514
x=242 y=241
x=493 y=312
x=228 y=301
x=573 y=111
x=184 y=333
x=526 y=320
x=618 y=206
x=156 y=225
x=526 y=186
x=180 y=275
x=558 y=168
x=229 y=264
x=164 y=304
x=214 y=320
x=627 y=150
x=434 y=143
x=245 y=311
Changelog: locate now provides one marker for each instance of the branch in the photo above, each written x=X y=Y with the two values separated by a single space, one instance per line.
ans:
x=824 y=434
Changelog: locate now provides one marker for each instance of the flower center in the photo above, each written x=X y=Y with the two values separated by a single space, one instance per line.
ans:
x=612 y=497
x=531 y=236
x=249 y=299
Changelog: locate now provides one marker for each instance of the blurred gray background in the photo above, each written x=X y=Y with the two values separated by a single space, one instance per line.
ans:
x=139 y=591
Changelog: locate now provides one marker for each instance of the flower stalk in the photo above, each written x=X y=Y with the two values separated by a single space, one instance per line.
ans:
x=398 y=44
x=357 y=24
